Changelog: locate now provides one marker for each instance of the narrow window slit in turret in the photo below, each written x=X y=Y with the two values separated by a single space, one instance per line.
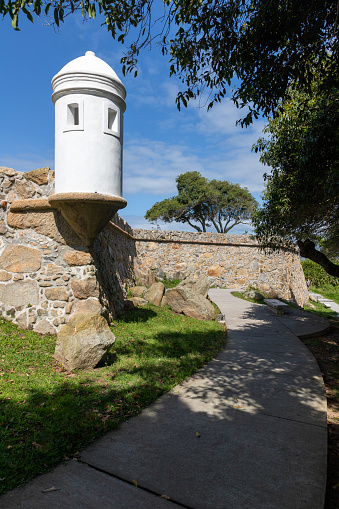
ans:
x=112 y=115
x=73 y=114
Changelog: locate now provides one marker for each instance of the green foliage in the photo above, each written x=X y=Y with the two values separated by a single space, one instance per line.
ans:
x=263 y=43
x=170 y=283
x=321 y=310
x=328 y=291
x=317 y=275
x=301 y=199
x=242 y=296
x=206 y=202
x=47 y=415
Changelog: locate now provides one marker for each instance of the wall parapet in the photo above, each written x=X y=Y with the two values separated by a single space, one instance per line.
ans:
x=232 y=261
x=204 y=238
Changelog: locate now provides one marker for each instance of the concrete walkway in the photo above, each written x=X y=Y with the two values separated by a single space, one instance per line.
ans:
x=248 y=431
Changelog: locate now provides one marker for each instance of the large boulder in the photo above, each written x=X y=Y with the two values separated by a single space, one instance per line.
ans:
x=199 y=307
x=143 y=274
x=176 y=297
x=182 y=299
x=83 y=341
x=252 y=294
x=155 y=293
x=200 y=285
x=132 y=302
x=138 y=291
x=91 y=305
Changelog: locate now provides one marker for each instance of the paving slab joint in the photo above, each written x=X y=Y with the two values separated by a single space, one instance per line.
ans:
x=136 y=485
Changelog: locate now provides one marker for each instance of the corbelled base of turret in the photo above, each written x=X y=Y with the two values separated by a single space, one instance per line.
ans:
x=87 y=213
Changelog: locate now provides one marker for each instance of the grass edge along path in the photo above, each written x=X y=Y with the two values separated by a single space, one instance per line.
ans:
x=47 y=415
x=327 y=291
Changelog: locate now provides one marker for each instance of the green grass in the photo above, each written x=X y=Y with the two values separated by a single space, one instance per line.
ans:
x=47 y=415
x=241 y=295
x=320 y=310
x=328 y=291
x=170 y=283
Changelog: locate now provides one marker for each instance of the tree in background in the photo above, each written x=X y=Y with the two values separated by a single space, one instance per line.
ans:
x=301 y=199
x=202 y=203
x=263 y=43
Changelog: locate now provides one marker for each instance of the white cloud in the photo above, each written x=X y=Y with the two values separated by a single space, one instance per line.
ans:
x=26 y=162
x=152 y=166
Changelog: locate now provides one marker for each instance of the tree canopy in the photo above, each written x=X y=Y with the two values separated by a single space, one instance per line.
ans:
x=202 y=203
x=264 y=44
x=301 y=199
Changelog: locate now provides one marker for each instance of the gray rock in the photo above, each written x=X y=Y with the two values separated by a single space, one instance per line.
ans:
x=199 y=307
x=83 y=342
x=200 y=285
x=134 y=301
x=176 y=297
x=159 y=273
x=44 y=327
x=182 y=299
x=139 y=301
x=138 y=291
x=163 y=302
x=155 y=293
x=178 y=275
x=91 y=305
x=22 y=320
x=252 y=294
x=128 y=304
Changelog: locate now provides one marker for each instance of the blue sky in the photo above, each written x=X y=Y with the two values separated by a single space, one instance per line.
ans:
x=159 y=141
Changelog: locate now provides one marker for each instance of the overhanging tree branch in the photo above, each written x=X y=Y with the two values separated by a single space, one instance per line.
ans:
x=308 y=250
x=264 y=43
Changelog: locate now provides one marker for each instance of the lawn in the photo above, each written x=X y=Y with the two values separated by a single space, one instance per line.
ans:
x=328 y=291
x=47 y=415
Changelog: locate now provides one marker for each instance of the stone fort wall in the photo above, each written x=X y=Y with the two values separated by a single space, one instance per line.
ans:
x=47 y=273
x=231 y=261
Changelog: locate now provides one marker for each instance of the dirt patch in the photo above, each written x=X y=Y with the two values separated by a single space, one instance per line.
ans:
x=326 y=351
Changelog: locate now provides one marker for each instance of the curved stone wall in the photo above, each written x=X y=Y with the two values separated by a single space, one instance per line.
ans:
x=231 y=261
x=47 y=273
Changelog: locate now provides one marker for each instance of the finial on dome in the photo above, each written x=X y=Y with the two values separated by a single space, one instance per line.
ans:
x=90 y=54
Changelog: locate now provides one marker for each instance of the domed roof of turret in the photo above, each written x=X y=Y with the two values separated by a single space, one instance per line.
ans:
x=89 y=64
x=87 y=73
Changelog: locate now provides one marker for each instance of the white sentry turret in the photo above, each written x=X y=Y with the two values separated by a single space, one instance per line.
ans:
x=89 y=101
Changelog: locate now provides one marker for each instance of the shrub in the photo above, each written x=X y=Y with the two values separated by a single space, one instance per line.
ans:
x=317 y=274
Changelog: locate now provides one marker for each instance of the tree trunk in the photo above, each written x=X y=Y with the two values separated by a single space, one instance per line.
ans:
x=194 y=226
x=215 y=224
x=228 y=228
x=308 y=250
